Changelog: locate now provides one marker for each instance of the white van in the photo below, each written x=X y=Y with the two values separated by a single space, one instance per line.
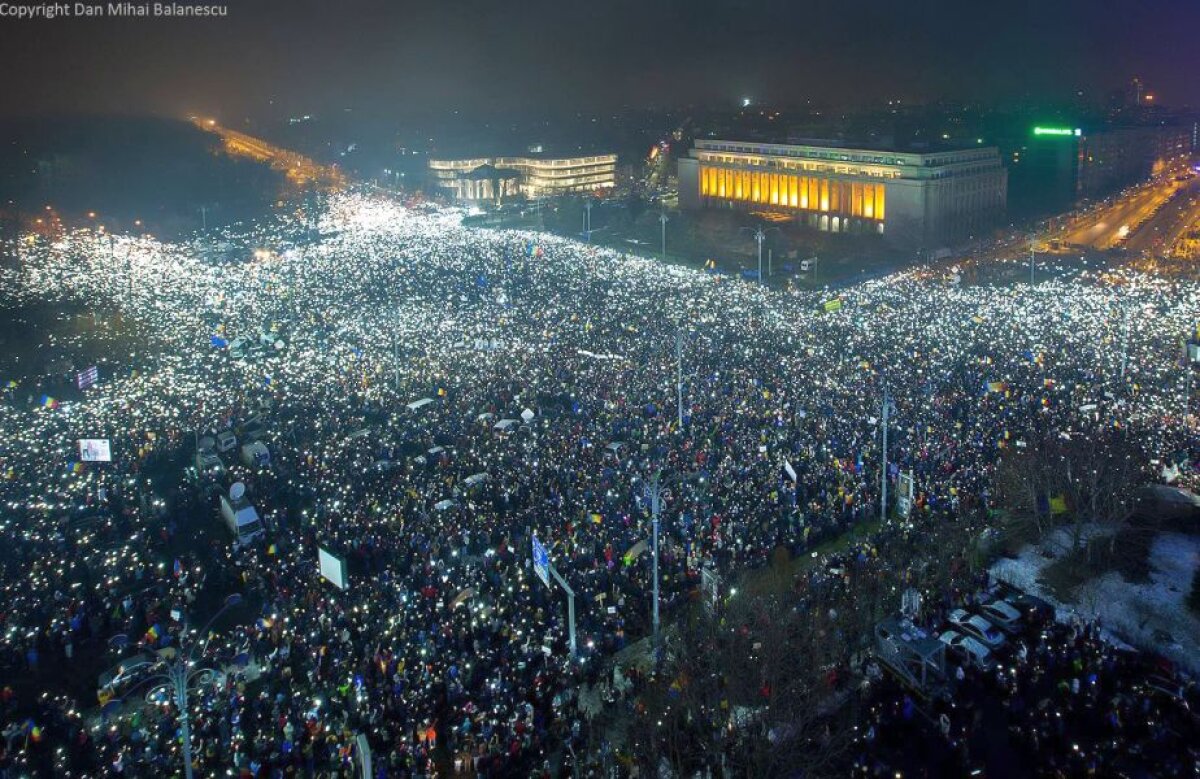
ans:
x=226 y=441
x=256 y=455
x=241 y=518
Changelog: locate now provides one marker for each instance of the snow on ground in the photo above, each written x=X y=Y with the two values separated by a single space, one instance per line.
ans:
x=1130 y=613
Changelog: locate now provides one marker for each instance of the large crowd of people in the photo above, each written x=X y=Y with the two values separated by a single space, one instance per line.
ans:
x=554 y=371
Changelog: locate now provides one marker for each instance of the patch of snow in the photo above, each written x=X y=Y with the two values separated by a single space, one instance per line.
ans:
x=1130 y=613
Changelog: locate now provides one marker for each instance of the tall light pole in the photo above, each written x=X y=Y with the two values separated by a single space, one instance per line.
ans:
x=760 y=235
x=663 y=219
x=1187 y=382
x=887 y=404
x=679 y=375
x=1125 y=342
x=1032 y=244
x=396 y=348
x=654 y=492
x=179 y=670
x=204 y=218
x=587 y=220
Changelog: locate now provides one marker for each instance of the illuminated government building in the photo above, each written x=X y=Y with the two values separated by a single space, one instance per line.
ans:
x=495 y=178
x=926 y=199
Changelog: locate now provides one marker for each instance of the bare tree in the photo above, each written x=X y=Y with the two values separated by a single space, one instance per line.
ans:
x=1078 y=483
x=751 y=693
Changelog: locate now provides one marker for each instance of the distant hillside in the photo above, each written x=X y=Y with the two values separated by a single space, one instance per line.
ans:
x=159 y=171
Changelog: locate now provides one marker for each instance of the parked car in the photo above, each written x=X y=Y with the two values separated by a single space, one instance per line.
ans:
x=1003 y=615
x=968 y=649
x=1029 y=605
x=977 y=627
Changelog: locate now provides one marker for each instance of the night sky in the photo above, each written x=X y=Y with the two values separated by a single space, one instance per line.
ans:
x=275 y=58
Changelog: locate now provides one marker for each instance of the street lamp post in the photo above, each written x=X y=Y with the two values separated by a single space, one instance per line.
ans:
x=663 y=219
x=179 y=671
x=587 y=221
x=679 y=376
x=1125 y=342
x=760 y=235
x=1187 y=384
x=1032 y=256
x=883 y=476
x=396 y=349
x=654 y=492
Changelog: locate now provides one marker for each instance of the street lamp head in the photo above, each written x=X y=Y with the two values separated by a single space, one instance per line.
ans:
x=233 y=600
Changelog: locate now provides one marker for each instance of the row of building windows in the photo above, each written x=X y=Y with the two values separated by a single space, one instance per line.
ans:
x=563 y=175
x=599 y=180
x=781 y=150
x=840 y=169
x=801 y=151
x=528 y=164
x=806 y=193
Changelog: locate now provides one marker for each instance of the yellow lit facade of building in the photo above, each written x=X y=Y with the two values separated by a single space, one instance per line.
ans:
x=791 y=190
x=926 y=199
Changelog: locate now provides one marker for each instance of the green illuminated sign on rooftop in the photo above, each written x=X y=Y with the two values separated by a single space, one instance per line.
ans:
x=1057 y=131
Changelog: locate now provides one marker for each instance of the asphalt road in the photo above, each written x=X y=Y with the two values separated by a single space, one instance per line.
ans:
x=1105 y=228
x=1161 y=231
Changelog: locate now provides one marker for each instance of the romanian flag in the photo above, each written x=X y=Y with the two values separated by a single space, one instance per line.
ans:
x=596 y=518
x=48 y=402
x=272 y=550
x=12 y=384
x=77 y=467
x=1058 y=504
x=152 y=634
x=996 y=386
x=441 y=392
x=1048 y=383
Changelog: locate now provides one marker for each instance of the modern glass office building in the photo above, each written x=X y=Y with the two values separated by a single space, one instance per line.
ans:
x=493 y=178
